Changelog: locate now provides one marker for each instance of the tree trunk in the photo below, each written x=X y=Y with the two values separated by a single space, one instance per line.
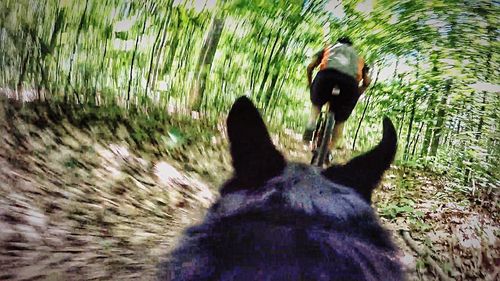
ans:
x=174 y=42
x=273 y=56
x=131 y=72
x=364 y=112
x=410 y=125
x=268 y=65
x=440 y=121
x=396 y=68
x=281 y=51
x=73 y=53
x=252 y=75
x=154 y=68
x=161 y=30
x=49 y=48
x=401 y=121
x=101 y=68
x=270 y=91
x=205 y=60
x=429 y=125
x=412 y=115
x=427 y=139
x=489 y=70
x=275 y=99
x=22 y=72
x=415 y=139
x=481 y=117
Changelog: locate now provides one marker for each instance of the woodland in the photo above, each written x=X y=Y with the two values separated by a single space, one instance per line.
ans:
x=112 y=123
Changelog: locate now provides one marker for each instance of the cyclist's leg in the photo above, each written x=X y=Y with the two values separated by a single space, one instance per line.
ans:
x=318 y=99
x=338 y=130
x=311 y=122
x=342 y=105
x=313 y=116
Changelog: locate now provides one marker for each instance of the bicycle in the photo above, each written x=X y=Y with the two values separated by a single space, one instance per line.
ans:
x=323 y=133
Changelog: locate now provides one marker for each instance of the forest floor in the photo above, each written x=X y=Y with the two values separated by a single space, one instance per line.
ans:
x=81 y=198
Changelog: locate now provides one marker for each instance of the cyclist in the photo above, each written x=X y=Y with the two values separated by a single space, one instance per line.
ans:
x=340 y=67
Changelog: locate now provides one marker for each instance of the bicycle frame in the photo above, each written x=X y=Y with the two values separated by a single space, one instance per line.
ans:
x=322 y=136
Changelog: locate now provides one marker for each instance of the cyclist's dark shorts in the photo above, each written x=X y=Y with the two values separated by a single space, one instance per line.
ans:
x=342 y=104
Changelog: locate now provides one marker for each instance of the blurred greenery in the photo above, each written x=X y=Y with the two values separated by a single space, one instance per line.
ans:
x=431 y=61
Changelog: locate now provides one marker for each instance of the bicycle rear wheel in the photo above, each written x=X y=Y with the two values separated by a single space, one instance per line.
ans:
x=322 y=149
x=318 y=137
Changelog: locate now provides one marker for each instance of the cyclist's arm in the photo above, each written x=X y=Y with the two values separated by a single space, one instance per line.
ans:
x=316 y=60
x=365 y=76
x=362 y=89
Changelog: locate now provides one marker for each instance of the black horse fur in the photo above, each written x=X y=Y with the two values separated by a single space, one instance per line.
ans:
x=288 y=221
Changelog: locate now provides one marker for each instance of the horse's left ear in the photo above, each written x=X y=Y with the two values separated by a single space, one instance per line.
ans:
x=255 y=159
x=363 y=173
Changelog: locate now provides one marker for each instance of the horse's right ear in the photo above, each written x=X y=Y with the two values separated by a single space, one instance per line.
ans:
x=363 y=173
x=255 y=159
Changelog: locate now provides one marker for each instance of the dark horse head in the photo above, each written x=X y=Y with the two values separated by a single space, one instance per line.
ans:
x=289 y=221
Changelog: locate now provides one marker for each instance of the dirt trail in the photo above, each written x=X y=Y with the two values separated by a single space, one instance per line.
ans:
x=87 y=204
x=74 y=207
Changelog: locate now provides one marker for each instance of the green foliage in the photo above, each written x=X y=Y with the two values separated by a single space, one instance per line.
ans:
x=391 y=211
x=71 y=163
x=145 y=55
x=175 y=138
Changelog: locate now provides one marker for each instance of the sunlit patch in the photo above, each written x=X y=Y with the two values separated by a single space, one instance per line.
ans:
x=166 y=173
x=25 y=95
x=126 y=24
x=170 y=177
x=162 y=85
x=222 y=128
x=195 y=115
x=124 y=45
x=171 y=108
x=292 y=133
x=467 y=235
x=120 y=150
x=114 y=173
x=487 y=87
x=239 y=30
x=489 y=231
x=408 y=261
x=336 y=8
x=197 y=5
x=104 y=153
x=113 y=159
x=204 y=194
x=394 y=19
x=393 y=66
x=142 y=162
x=437 y=23
x=365 y=6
